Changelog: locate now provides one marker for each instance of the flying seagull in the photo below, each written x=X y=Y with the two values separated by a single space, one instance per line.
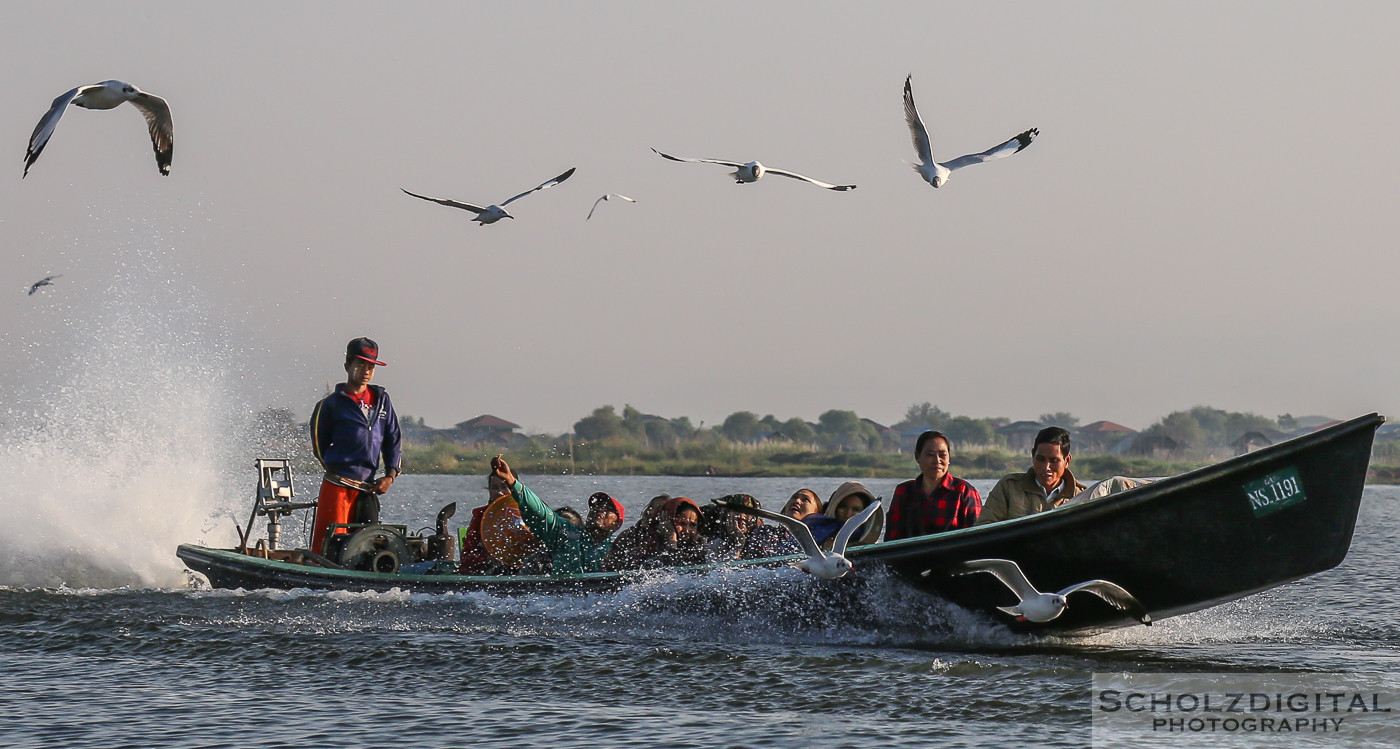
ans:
x=607 y=197
x=108 y=95
x=829 y=565
x=1042 y=607
x=935 y=173
x=492 y=213
x=45 y=281
x=754 y=171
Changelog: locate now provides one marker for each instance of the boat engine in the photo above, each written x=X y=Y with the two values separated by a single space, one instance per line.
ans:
x=377 y=548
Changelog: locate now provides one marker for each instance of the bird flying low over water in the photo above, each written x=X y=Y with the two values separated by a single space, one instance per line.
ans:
x=493 y=213
x=937 y=174
x=45 y=281
x=1042 y=607
x=754 y=171
x=108 y=95
x=829 y=565
x=607 y=197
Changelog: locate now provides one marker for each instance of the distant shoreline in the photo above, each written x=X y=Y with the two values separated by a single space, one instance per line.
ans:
x=974 y=464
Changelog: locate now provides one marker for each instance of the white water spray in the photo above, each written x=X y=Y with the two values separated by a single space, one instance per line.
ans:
x=123 y=441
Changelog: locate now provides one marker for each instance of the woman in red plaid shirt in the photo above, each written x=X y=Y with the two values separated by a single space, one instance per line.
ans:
x=935 y=501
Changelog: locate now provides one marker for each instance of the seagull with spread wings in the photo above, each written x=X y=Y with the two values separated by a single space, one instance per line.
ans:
x=609 y=196
x=829 y=565
x=109 y=95
x=1042 y=607
x=937 y=174
x=45 y=281
x=754 y=171
x=492 y=213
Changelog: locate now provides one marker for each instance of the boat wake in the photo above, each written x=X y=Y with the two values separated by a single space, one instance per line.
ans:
x=737 y=605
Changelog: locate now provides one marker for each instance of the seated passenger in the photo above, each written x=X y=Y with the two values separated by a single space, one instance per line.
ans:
x=1047 y=485
x=573 y=550
x=847 y=502
x=542 y=561
x=667 y=534
x=807 y=507
x=681 y=541
x=638 y=542
x=475 y=559
x=746 y=536
x=935 y=501
x=802 y=503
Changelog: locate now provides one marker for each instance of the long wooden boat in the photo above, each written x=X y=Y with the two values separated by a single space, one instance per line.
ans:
x=1179 y=544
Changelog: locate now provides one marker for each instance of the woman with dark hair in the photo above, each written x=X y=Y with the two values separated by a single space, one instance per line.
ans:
x=935 y=501
x=806 y=506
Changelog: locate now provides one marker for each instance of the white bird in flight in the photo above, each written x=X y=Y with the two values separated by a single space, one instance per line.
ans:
x=493 y=213
x=937 y=174
x=754 y=171
x=45 y=281
x=607 y=197
x=108 y=95
x=829 y=565
x=1043 y=607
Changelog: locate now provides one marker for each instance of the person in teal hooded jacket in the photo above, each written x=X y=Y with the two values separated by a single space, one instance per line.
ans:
x=572 y=549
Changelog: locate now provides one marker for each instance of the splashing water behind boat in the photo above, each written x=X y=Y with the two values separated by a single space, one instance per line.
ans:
x=118 y=438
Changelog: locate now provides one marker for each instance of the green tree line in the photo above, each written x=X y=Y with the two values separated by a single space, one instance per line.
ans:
x=838 y=443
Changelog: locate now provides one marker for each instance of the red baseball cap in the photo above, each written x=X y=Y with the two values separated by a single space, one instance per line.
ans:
x=366 y=349
x=606 y=500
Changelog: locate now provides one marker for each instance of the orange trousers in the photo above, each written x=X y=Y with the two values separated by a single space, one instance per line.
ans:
x=333 y=507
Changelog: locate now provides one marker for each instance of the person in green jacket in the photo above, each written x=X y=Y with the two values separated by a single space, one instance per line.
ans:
x=573 y=550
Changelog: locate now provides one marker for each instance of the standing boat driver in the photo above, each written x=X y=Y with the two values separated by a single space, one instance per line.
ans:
x=351 y=429
x=572 y=549
x=935 y=501
x=1047 y=485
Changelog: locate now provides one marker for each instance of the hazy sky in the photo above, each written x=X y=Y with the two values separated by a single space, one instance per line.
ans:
x=1208 y=217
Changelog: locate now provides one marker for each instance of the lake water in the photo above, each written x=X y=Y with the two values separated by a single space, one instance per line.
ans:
x=100 y=656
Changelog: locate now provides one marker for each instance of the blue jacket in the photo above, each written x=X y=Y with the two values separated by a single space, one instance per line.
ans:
x=348 y=443
x=822 y=526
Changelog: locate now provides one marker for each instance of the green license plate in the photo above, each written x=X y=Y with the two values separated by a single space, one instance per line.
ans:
x=1275 y=492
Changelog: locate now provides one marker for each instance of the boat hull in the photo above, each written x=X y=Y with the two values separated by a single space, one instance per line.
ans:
x=1180 y=544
